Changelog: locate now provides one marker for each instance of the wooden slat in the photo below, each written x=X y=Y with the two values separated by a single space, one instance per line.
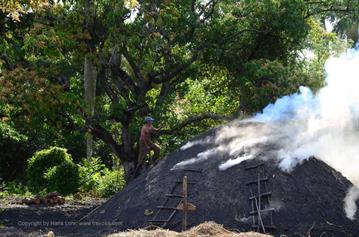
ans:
x=255 y=182
x=266 y=226
x=193 y=170
x=263 y=210
x=172 y=215
x=180 y=181
x=168 y=208
x=253 y=166
x=262 y=195
x=173 y=195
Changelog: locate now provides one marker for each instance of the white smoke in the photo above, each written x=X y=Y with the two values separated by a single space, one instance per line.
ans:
x=230 y=140
x=194 y=143
x=350 y=206
x=202 y=156
x=232 y=162
x=324 y=124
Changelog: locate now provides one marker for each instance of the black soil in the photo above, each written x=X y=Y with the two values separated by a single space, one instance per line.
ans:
x=308 y=198
x=22 y=220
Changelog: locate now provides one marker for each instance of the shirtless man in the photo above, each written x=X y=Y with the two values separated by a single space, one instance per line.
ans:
x=146 y=144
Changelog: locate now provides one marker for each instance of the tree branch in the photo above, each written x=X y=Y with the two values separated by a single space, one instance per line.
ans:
x=118 y=72
x=134 y=66
x=195 y=119
x=167 y=76
x=113 y=96
x=324 y=7
x=106 y=136
x=165 y=89
x=207 y=15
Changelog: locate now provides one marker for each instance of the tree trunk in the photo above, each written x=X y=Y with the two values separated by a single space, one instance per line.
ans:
x=129 y=154
x=128 y=168
x=90 y=76
x=126 y=152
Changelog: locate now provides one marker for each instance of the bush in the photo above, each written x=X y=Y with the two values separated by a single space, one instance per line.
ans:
x=13 y=155
x=97 y=180
x=111 y=183
x=63 y=178
x=52 y=170
x=13 y=188
x=91 y=172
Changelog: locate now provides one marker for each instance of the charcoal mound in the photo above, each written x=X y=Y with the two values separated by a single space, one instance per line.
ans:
x=252 y=195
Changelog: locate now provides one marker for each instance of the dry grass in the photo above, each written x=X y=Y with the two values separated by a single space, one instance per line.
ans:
x=203 y=230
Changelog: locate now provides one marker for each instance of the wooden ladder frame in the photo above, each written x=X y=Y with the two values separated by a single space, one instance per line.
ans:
x=164 y=222
x=259 y=198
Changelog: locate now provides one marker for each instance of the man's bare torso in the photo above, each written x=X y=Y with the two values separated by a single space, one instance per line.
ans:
x=146 y=133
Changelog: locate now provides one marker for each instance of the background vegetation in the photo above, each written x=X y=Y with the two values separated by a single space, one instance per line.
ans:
x=81 y=75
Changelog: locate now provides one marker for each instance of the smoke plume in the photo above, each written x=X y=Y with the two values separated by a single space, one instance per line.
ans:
x=350 y=202
x=324 y=124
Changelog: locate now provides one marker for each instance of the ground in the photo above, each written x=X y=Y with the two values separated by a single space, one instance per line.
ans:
x=21 y=220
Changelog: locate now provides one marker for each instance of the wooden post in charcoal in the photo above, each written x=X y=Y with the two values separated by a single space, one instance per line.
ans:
x=185 y=206
x=185 y=209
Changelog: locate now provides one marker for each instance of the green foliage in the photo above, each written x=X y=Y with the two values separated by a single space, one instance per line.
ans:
x=111 y=183
x=210 y=92
x=13 y=188
x=13 y=155
x=173 y=60
x=52 y=170
x=63 y=178
x=97 y=180
x=264 y=81
x=91 y=172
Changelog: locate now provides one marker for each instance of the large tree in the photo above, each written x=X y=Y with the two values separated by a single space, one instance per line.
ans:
x=149 y=56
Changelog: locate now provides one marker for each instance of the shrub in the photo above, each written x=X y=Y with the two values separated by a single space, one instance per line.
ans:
x=91 y=171
x=52 y=170
x=97 y=180
x=63 y=178
x=13 y=188
x=13 y=155
x=111 y=183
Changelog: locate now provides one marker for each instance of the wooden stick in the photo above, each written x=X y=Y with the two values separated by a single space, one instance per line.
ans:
x=259 y=205
x=185 y=200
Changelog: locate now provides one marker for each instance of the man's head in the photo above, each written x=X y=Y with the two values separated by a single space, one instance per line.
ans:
x=149 y=120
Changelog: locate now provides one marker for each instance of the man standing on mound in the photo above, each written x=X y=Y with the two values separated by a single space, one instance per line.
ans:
x=146 y=145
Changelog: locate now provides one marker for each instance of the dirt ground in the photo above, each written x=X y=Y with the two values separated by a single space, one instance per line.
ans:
x=34 y=221
x=22 y=220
